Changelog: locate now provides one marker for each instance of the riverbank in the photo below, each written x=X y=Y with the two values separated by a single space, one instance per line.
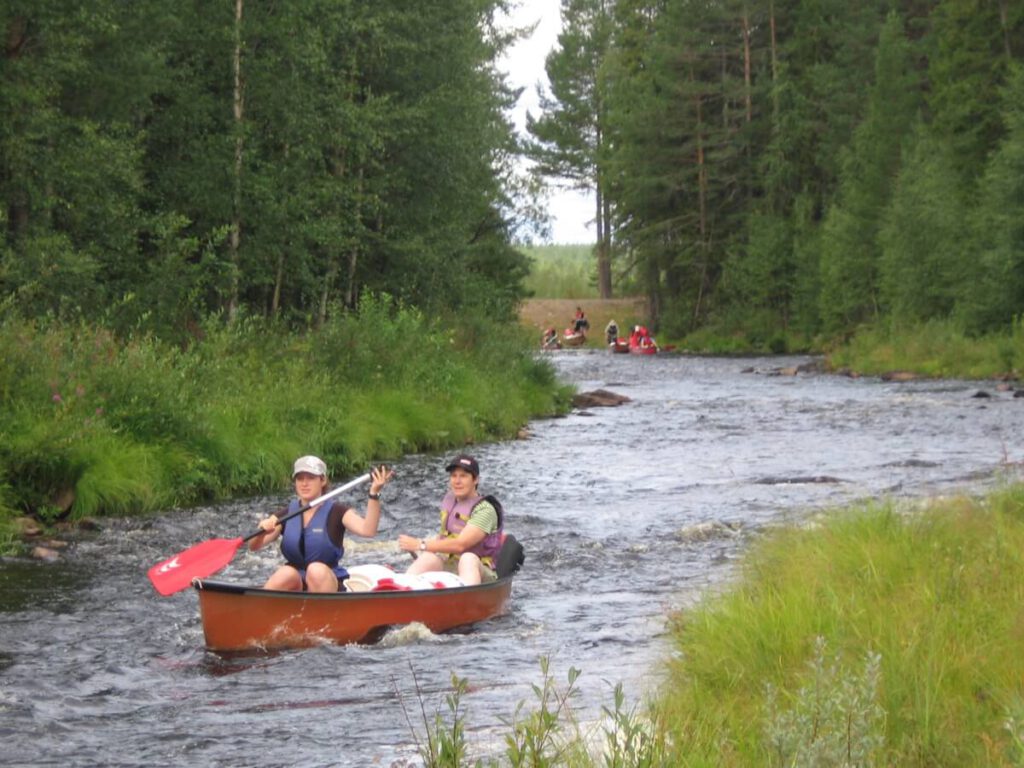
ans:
x=930 y=350
x=873 y=637
x=538 y=314
x=876 y=635
x=96 y=425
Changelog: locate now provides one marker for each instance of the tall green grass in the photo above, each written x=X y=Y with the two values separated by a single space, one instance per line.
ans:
x=125 y=425
x=934 y=596
x=935 y=349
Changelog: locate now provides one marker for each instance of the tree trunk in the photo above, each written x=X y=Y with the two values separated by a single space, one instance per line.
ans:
x=275 y=302
x=236 y=202
x=325 y=293
x=607 y=206
x=17 y=203
x=746 y=67
x=351 y=293
x=1005 y=23
x=775 y=65
x=604 y=264
x=702 y=222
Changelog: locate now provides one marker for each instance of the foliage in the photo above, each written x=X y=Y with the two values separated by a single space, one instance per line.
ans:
x=560 y=272
x=538 y=737
x=835 y=719
x=932 y=595
x=443 y=744
x=994 y=298
x=545 y=736
x=127 y=425
x=633 y=740
x=922 y=236
x=165 y=165
x=813 y=167
x=850 y=251
x=933 y=349
x=569 y=137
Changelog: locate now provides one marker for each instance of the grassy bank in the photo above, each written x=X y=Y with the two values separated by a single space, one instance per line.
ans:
x=874 y=636
x=892 y=637
x=91 y=424
x=937 y=349
x=930 y=350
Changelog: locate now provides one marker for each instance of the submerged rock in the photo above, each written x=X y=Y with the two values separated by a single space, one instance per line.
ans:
x=598 y=398
x=711 y=530
x=900 y=376
x=45 y=553
x=798 y=480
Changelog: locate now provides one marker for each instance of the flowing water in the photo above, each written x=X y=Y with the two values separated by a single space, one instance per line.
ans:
x=626 y=514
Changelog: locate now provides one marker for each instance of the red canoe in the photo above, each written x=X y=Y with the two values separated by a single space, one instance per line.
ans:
x=651 y=350
x=237 y=618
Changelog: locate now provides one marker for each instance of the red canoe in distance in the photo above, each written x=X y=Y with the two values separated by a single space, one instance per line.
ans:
x=651 y=350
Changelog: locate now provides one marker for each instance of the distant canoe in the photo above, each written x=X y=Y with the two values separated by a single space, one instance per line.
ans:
x=641 y=350
x=619 y=346
x=574 y=339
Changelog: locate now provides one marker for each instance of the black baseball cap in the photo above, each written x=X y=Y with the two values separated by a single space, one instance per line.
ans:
x=465 y=462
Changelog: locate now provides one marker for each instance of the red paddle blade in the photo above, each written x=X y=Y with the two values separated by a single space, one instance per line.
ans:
x=176 y=573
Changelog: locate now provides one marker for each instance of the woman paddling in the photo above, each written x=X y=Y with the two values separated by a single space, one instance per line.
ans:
x=313 y=542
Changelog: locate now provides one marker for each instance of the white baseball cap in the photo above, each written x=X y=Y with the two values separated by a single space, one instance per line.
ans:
x=311 y=464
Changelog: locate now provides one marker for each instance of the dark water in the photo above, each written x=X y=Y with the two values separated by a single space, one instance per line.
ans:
x=626 y=513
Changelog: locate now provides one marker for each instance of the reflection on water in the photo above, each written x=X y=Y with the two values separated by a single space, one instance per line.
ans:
x=626 y=514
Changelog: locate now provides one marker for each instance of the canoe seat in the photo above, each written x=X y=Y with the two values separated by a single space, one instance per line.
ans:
x=510 y=558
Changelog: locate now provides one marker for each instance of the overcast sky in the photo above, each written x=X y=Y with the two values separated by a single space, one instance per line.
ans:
x=570 y=211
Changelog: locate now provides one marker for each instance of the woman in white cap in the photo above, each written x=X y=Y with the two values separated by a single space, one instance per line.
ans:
x=314 y=541
x=472 y=528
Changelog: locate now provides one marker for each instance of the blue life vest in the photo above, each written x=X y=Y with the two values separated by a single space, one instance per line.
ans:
x=311 y=544
x=455 y=515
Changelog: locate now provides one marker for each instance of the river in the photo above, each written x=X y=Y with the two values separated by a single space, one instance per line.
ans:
x=626 y=513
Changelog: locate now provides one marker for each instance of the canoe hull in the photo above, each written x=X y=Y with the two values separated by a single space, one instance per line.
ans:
x=574 y=339
x=248 y=618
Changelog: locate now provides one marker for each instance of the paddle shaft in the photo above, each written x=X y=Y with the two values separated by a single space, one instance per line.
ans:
x=315 y=502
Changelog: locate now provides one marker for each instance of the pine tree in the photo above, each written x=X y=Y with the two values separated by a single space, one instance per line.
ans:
x=994 y=298
x=571 y=133
x=850 y=249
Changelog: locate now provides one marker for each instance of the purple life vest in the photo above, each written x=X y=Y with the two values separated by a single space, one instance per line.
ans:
x=455 y=515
